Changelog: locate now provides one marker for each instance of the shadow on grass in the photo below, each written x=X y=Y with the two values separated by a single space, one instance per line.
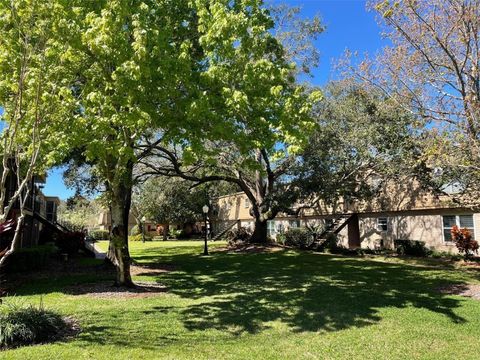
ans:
x=308 y=292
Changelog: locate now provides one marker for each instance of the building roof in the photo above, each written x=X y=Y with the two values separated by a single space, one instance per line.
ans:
x=54 y=199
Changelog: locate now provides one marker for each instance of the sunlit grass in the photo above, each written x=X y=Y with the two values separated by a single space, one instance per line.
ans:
x=283 y=304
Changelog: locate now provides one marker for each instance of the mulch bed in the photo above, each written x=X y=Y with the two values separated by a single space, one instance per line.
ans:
x=245 y=248
x=102 y=290
x=150 y=269
x=105 y=290
x=467 y=290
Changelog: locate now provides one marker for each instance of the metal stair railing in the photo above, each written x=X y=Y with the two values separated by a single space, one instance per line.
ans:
x=228 y=225
x=333 y=228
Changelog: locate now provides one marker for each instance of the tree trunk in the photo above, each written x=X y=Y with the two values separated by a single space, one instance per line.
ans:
x=15 y=242
x=166 y=230
x=118 y=251
x=260 y=232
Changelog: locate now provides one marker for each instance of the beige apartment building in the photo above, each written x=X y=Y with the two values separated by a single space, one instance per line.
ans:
x=402 y=211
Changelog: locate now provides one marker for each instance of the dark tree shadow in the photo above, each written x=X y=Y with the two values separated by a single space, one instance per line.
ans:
x=308 y=292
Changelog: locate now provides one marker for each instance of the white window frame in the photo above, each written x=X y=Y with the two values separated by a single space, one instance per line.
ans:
x=457 y=222
x=293 y=224
x=380 y=225
x=247 y=203
x=271 y=228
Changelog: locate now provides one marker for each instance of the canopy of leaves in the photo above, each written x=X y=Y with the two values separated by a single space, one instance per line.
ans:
x=361 y=138
x=36 y=78
x=166 y=200
x=187 y=70
x=432 y=69
x=79 y=212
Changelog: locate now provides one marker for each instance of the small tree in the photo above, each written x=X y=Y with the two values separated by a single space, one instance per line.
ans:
x=79 y=213
x=168 y=201
x=36 y=96
x=464 y=241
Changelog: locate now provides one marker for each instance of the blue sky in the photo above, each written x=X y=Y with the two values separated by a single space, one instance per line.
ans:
x=349 y=26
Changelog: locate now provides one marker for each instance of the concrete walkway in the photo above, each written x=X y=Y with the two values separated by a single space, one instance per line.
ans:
x=99 y=253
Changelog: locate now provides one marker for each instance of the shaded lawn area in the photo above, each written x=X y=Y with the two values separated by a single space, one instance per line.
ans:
x=286 y=304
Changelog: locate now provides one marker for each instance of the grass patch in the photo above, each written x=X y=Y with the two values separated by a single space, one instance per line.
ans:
x=271 y=305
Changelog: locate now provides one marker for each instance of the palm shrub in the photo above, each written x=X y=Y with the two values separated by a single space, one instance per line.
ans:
x=27 y=324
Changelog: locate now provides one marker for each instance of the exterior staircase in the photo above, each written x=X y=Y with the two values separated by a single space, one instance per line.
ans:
x=60 y=229
x=337 y=225
x=225 y=226
x=54 y=226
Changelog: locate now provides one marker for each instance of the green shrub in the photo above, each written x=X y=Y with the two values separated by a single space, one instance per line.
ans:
x=298 y=237
x=330 y=243
x=238 y=235
x=135 y=230
x=70 y=242
x=280 y=238
x=139 y=238
x=29 y=259
x=99 y=234
x=446 y=255
x=27 y=324
x=175 y=233
x=340 y=250
x=412 y=248
x=183 y=235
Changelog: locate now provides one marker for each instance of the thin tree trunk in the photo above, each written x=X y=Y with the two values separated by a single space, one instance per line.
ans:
x=166 y=229
x=118 y=251
x=15 y=241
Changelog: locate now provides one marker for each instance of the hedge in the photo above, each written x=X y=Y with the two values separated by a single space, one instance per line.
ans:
x=99 y=234
x=29 y=259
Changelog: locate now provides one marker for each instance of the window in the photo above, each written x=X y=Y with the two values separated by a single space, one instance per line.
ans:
x=382 y=224
x=280 y=228
x=294 y=224
x=271 y=228
x=247 y=203
x=462 y=221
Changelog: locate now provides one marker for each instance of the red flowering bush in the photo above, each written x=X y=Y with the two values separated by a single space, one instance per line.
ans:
x=463 y=239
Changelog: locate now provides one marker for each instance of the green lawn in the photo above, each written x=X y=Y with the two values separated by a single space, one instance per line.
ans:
x=287 y=304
